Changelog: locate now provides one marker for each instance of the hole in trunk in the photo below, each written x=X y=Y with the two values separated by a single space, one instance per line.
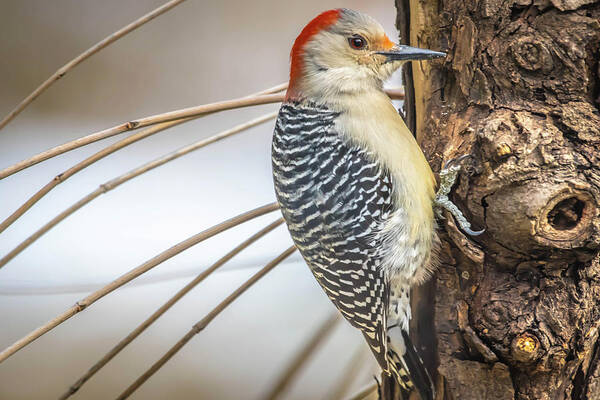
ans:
x=566 y=214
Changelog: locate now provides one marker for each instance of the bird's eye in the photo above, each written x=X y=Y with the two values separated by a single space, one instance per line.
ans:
x=357 y=42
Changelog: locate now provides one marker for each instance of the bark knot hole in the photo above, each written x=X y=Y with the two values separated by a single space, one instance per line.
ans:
x=566 y=214
x=567 y=218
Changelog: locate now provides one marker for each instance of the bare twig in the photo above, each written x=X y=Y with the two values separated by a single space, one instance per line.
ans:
x=302 y=357
x=203 y=323
x=349 y=374
x=58 y=179
x=140 y=123
x=158 y=313
x=134 y=273
x=395 y=93
x=363 y=393
x=113 y=183
x=154 y=119
x=86 y=54
x=271 y=90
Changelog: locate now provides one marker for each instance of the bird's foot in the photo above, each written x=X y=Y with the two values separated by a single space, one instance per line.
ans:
x=448 y=176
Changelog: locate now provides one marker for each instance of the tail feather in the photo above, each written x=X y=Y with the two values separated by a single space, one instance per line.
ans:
x=406 y=365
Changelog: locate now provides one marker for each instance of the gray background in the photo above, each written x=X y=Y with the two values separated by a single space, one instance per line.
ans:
x=201 y=51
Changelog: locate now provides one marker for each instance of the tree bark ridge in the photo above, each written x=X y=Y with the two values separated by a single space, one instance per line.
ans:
x=515 y=311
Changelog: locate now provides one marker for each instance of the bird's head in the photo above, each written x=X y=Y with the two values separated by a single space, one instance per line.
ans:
x=345 y=52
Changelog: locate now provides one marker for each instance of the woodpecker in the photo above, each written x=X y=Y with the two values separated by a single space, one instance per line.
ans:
x=354 y=187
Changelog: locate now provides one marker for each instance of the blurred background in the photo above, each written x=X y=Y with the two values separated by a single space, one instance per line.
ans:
x=199 y=52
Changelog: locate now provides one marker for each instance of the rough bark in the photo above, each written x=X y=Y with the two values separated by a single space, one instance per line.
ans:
x=515 y=312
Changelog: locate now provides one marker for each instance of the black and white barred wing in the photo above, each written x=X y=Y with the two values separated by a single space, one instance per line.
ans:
x=334 y=198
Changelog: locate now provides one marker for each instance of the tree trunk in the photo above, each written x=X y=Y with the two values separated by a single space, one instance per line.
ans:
x=513 y=313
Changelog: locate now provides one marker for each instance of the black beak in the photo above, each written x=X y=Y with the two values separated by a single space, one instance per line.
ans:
x=405 y=53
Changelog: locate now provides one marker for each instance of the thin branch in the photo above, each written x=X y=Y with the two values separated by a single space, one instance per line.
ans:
x=158 y=313
x=134 y=273
x=349 y=374
x=395 y=93
x=113 y=183
x=303 y=355
x=155 y=119
x=363 y=393
x=86 y=54
x=271 y=90
x=203 y=323
x=58 y=179
x=140 y=123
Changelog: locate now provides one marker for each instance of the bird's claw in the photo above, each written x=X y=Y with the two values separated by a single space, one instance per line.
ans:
x=456 y=161
x=447 y=179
